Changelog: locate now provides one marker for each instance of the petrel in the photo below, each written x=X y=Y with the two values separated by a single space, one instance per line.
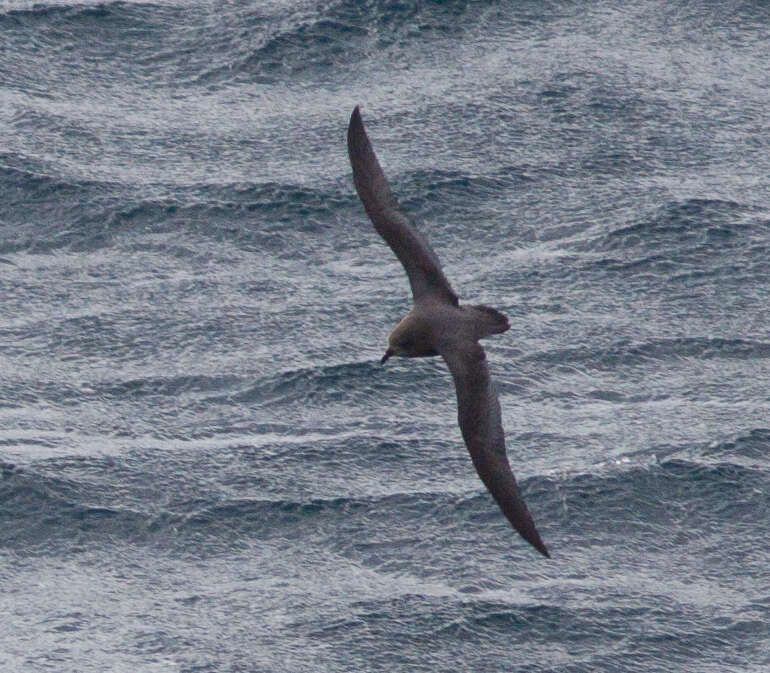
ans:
x=439 y=325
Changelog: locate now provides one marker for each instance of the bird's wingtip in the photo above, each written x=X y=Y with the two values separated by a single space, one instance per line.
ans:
x=531 y=535
x=356 y=132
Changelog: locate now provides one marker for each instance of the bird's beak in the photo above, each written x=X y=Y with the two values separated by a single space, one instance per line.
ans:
x=388 y=353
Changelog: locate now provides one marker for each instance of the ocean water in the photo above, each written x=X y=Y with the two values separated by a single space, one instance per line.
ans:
x=203 y=467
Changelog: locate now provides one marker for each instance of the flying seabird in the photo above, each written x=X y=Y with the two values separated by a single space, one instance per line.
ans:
x=439 y=325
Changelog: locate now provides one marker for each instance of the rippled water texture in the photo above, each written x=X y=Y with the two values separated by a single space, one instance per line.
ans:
x=203 y=467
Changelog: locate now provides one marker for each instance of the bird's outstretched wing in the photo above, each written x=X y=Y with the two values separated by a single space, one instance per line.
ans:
x=420 y=262
x=478 y=411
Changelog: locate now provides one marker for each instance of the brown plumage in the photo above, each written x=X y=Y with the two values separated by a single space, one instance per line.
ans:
x=438 y=325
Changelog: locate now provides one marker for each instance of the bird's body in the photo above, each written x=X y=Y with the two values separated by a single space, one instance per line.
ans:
x=439 y=325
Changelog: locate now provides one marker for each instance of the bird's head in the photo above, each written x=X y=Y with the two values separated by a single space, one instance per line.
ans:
x=398 y=345
x=408 y=340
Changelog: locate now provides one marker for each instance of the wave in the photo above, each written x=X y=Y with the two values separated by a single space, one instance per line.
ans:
x=689 y=223
x=171 y=386
x=67 y=213
x=627 y=353
x=682 y=243
x=60 y=502
x=88 y=215
x=86 y=25
x=265 y=217
x=753 y=445
x=358 y=380
x=683 y=222
x=432 y=192
x=323 y=40
x=75 y=12
x=235 y=43
x=51 y=44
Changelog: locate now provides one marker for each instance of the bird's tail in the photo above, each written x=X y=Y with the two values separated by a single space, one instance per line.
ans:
x=488 y=321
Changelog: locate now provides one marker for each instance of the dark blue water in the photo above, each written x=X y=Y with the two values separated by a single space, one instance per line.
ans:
x=203 y=466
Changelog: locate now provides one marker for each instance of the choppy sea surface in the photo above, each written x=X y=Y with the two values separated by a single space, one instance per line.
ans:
x=203 y=467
